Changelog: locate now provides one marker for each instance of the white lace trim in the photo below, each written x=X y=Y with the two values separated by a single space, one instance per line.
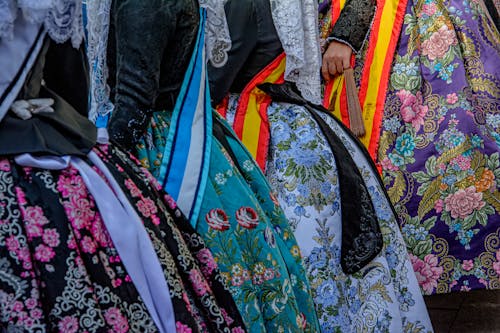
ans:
x=62 y=18
x=217 y=38
x=98 y=12
x=296 y=22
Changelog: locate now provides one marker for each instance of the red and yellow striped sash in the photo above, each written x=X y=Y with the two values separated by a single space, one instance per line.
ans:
x=250 y=122
x=380 y=51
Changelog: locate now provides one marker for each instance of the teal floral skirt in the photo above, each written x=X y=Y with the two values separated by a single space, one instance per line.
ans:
x=246 y=230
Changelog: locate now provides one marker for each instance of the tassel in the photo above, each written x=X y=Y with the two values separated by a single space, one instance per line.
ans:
x=356 y=125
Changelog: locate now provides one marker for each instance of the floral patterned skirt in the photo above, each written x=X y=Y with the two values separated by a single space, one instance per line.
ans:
x=59 y=269
x=383 y=296
x=440 y=144
x=244 y=227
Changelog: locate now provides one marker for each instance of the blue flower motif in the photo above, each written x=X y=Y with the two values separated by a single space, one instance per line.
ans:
x=327 y=293
x=281 y=131
x=317 y=259
x=391 y=255
x=290 y=199
x=476 y=141
x=450 y=180
x=405 y=145
x=304 y=157
x=299 y=211
x=392 y=124
x=396 y=159
x=326 y=188
x=399 y=68
x=303 y=190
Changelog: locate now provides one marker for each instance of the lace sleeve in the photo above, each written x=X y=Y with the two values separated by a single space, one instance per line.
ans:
x=297 y=27
x=354 y=23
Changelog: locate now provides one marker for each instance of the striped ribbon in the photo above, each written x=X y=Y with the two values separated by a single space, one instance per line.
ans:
x=376 y=69
x=186 y=159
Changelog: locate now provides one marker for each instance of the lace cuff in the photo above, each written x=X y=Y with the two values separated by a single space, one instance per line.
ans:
x=353 y=26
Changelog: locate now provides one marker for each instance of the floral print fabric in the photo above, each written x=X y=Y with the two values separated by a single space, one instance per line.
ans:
x=61 y=272
x=440 y=144
x=383 y=296
x=250 y=238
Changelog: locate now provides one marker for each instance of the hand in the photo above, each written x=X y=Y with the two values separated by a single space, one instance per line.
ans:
x=336 y=58
x=25 y=109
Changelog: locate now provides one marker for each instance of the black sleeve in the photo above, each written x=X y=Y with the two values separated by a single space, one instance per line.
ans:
x=354 y=23
x=242 y=23
x=141 y=30
x=255 y=43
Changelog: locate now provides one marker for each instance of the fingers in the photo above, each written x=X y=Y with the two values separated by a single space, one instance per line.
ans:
x=332 y=67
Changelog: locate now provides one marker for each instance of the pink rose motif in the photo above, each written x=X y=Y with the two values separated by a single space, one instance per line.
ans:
x=429 y=9
x=12 y=243
x=43 y=253
x=71 y=186
x=247 y=217
x=88 y=245
x=438 y=205
x=467 y=265
x=170 y=201
x=31 y=303
x=208 y=261
x=35 y=215
x=200 y=285
x=439 y=43
x=147 y=207
x=51 y=237
x=80 y=212
x=134 y=190
x=36 y=313
x=463 y=202
x=427 y=271
x=181 y=328
x=217 y=219
x=451 y=98
x=115 y=319
x=238 y=330
x=387 y=165
x=496 y=265
x=68 y=325
x=465 y=288
x=462 y=162
x=33 y=230
x=412 y=109
x=99 y=233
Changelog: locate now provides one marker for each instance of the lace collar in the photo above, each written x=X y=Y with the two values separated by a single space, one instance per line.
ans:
x=62 y=18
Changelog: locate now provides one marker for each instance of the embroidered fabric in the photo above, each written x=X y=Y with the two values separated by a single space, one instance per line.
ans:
x=296 y=24
x=98 y=13
x=217 y=38
x=354 y=23
x=62 y=18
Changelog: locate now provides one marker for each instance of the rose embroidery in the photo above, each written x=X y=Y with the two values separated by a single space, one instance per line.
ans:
x=463 y=202
x=438 y=44
x=247 y=217
x=217 y=219
x=412 y=109
x=427 y=271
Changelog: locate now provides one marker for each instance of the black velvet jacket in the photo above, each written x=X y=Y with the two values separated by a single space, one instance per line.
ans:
x=149 y=48
x=354 y=23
